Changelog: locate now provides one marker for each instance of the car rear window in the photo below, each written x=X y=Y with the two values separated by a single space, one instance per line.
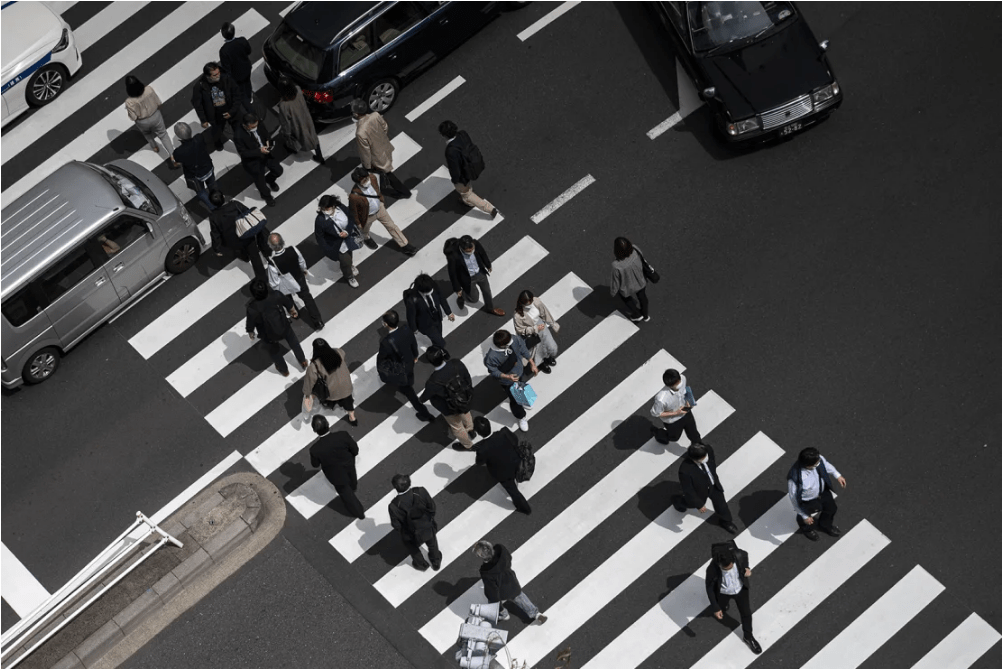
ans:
x=304 y=58
x=21 y=307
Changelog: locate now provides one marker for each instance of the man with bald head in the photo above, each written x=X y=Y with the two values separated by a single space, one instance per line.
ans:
x=194 y=158
x=289 y=261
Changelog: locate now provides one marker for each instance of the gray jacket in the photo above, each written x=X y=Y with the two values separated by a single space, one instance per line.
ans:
x=494 y=359
x=628 y=276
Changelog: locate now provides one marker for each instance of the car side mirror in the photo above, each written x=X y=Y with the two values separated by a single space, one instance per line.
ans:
x=708 y=93
x=824 y=44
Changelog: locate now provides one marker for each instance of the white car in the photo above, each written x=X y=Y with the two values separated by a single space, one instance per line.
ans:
x=39 y=56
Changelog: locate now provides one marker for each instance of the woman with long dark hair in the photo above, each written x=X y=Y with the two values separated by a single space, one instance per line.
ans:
x=535 y=324
x=143 y=107
x=297 y=124
x=328 y=366
x=627 y=279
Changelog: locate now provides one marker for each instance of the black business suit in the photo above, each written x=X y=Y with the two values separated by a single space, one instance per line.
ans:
x=401 y=344
x=415 y=532
x=697 y=487
x=499 y=453
x=461 y=279
x=235 y=59
x=264 y=168
x=335 y=454
x=425 y=319
x=719 y=601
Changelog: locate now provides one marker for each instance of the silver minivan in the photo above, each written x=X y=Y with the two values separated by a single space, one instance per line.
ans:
x=77 y=249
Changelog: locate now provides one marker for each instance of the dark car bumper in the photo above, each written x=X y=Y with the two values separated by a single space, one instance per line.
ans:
x=795 y=126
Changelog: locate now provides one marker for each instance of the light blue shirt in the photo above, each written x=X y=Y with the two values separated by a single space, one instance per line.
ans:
x=471 y=262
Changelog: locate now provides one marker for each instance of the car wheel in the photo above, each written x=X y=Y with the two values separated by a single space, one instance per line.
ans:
x=45 y=85
x=41 y=366
x=382 y=95
x=182 y=255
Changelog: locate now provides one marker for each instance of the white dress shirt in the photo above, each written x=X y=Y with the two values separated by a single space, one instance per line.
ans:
x=374 y=200
x=731 y=584
x=668 y=399
x=812 y=485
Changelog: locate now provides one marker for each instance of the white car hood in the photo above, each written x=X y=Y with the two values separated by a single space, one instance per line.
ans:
x=29 y=31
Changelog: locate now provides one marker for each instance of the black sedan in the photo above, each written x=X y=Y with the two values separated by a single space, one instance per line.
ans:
x=757 y=65
x=337 y=51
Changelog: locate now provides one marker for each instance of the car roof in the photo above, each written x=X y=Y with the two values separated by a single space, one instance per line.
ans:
x=51 y=218
x=323 y=23
x=25 y=26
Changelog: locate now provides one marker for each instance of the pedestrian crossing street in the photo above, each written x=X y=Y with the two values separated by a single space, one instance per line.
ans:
x=588 y=406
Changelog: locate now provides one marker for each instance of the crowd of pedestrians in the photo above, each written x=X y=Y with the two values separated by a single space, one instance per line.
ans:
x=222 y=99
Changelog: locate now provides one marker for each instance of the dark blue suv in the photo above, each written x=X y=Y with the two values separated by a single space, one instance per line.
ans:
x=337 y=51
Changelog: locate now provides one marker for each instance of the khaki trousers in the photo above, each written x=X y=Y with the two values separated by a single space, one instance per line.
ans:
x=461 y=424
x=384 y=218
x=471 y=199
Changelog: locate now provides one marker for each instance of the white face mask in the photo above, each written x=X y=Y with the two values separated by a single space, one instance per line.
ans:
x=329 y=212
x=704 y=460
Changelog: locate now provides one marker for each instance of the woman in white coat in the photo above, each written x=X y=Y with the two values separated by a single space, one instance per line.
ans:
x=535 y=324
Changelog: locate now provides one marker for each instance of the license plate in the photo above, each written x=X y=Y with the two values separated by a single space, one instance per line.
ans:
x=791 y=128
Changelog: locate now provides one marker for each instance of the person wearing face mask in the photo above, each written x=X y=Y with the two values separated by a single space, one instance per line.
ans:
x=255 y=145
x=337 y=236
x=217 y=100
x=504 y=361
x=367 y=205
x=672 y=407
x=534 y=323
x=425 y=309
x=727 y=579
x=699 y=479
x=469 y=267
x=809 y=486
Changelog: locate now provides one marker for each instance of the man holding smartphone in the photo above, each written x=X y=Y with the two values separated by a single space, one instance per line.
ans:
x=672 y=407
x=254 y=144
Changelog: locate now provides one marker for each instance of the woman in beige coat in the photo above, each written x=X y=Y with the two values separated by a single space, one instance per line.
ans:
x=143 y=107
x=329 y=364
x=535 y=324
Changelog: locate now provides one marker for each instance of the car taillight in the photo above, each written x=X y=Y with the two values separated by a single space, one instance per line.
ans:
x=321 y=97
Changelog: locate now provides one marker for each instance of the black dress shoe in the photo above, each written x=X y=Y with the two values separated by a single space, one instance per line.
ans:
x=457 y=446
x=811 y=534
x=678 y=504
x=495 y=212
x=425 y=417
x=832 y=531
x=729 y=528
x=550 y=362
x=354 y=423
x=420 y=566
x=371 y=243
x=544 y=368
x=270 y=202
x=274 y=186
x=409 y=249
x=753 y=645
x=218 y=146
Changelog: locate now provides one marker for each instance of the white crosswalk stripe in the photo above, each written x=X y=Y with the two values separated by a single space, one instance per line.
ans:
x=581 y=431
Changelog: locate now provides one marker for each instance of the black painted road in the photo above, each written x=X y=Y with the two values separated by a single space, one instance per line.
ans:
x=840 y=290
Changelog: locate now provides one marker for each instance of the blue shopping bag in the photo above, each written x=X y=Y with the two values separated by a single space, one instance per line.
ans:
x=688 y=395
x=523 y=394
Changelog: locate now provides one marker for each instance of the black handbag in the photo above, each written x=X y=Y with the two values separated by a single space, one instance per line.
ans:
x=392 y=368
x=320 y=389
x=649 y=272
x=532 y=341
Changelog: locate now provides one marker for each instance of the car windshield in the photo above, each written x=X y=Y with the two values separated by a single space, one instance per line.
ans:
x=133 y=192
x=718 y=25
x=304 y=58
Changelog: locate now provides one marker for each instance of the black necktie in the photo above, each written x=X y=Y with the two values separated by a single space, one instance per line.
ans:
x=431 y=308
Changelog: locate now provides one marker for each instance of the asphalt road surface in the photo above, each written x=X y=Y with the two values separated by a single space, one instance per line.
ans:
x=838 y=290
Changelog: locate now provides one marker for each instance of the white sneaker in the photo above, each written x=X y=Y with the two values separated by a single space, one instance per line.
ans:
x=353 y=282
x=355 y=271
x=524 y=425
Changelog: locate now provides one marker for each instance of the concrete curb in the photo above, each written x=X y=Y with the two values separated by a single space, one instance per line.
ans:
x=225 y=525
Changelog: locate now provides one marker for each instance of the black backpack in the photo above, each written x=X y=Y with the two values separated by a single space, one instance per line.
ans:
x=527 y=462
x=473 y=160
x=459 y=392
x=451 y=246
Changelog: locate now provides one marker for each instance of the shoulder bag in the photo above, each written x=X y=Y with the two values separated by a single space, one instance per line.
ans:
x=649 y=272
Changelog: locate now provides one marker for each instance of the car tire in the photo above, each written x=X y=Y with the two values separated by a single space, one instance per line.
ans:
x=45 y=85
x=382 y=95
x=183 y=255
x=41 y=365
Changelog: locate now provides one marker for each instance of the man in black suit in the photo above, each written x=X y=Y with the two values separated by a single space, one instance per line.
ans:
x=698 y=476
x=412 y=513
x=728 y=579
x=335 y=453
x=395 y=362
x=235 y=57
x=458 y=148
x=289 y=261
x=425 y=308
x=217 y=100
x=469 y=267
x=450 y=389
x=254 y=144
x=500 y=453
